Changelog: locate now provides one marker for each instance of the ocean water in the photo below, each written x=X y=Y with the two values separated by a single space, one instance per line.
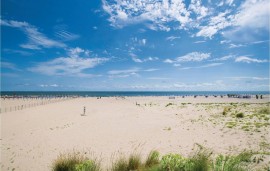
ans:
x=127 y=93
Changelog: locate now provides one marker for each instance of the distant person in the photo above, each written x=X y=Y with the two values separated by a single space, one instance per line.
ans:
x=261 y=96
x=84 y=110
x=257 y=96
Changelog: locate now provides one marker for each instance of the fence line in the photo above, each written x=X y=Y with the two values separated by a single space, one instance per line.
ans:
x=44 y=101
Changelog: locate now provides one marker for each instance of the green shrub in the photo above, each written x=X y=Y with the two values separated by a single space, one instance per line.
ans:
x=232 y=163
x=226 y=110
x=120 y=165
x=171 y=162
x=169 y=104
x=152 y=159
x=265 y=110
x=87 y=165
x=200 y=161
x=74 y=162
x=239 y=115
x=67 y=162
x=134 y=162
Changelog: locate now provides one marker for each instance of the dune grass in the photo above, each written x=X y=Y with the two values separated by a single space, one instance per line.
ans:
x=202 y=160
x=75 y=162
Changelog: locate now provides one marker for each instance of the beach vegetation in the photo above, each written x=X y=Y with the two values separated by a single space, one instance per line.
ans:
x=167 y=128
x=264 y=110
x=88 y=165
x=132 y=163
x=169 y=104
x=240 y=115
x=231 y=124
x=153 y=159
x=226 y=110
x=202 y=160
x=75 y=162
x=235 y=163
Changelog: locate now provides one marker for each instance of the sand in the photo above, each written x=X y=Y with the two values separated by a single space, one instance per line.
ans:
x=33 y=137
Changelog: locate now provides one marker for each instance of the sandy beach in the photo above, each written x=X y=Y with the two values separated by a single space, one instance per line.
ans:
x=31 y=138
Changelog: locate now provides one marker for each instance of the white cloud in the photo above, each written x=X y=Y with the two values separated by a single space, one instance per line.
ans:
x=135 y=58
x=21 y=52
x=158 y=78
x=171 y=38
x=76 y=52
x=176 y=65
x=250 y=22
x=200 y=41
x=36 y=40
x=128 y=72
x=215 y=24
x=66 y=36
x=203 y=66
x=168 y=61
x=236 y=46
x=252 y=78
x=158 y=13
x=207 y=20
x=190 y=57
x=249 y=60
x=197 y=7
x=254 y=14
x=49 y=85
x=193 y=56
x=9 y=65
x=224 y=58
x=151 y=70
x=74 y=65
x=143 y=41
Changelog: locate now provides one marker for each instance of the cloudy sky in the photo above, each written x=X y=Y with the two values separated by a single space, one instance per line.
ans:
x=135 y=45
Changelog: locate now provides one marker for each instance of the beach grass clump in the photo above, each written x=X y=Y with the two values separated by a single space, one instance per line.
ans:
x=226 y=110
x=202 y=160
x=88 y=165
x=169 y=104
x=152 y=159
x=235 y=163
x=120 y=165
x=132 y=163
x=264 y=110
x=240 y=115
x=173 y=162
x=231 y=124
x=74 y=162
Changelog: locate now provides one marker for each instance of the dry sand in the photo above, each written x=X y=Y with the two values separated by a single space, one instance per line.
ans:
x=33 y=137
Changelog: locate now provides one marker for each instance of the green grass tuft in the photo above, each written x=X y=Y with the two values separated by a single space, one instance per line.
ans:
x=152 y=159
x=240 y=115
x=133 y=163
x=74 y=162
x=226 y=110
x=120 y=165
x=264 y=110
x=169 y=104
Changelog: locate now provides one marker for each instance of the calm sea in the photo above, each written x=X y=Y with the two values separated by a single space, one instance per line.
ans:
x=127 y=93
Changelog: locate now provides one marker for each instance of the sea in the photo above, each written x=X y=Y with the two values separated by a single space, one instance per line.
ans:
x=128 y=93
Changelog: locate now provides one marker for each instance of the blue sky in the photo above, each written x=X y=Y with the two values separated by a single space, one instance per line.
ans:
x=135 y=45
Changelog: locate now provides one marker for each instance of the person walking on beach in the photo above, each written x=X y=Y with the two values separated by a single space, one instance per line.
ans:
x=84 y=110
